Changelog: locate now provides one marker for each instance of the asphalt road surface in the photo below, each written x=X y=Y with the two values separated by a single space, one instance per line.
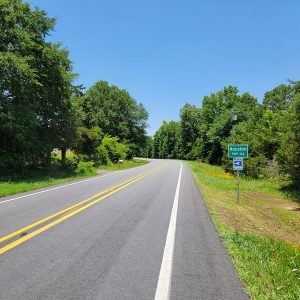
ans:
x=142 y=233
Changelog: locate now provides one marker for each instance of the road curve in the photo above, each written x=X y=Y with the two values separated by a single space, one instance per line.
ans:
x=142 y=233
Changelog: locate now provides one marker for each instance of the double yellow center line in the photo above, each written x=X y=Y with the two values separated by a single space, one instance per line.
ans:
x=65 y=214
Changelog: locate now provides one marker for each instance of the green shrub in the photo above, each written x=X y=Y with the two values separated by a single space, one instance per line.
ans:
x=271 y=171
x=288 y=155
x=132 y=150
x=75 y=160
x=102 y=156
x=85 y=168
x=115 y=149
x=254 y=166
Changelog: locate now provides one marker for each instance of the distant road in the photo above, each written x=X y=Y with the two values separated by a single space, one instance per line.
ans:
x=142 y=233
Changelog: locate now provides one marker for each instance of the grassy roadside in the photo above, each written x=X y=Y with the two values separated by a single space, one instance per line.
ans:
x=36 y=179
x=127 y=164
x=262 y=234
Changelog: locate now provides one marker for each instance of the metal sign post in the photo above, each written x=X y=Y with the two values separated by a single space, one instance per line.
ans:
x=238 y=186
x=238 y=165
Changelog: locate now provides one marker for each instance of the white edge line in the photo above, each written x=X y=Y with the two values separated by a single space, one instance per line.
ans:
x=165 y=274
x=62 y=186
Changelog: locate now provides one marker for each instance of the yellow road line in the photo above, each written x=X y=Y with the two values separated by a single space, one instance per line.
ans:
x=67 y=216
x=4 y=238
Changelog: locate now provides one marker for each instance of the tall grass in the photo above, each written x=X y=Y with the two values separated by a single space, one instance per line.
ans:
x=216 y=177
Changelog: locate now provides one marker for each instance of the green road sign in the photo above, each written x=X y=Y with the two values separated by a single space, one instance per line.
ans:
x=238 y=151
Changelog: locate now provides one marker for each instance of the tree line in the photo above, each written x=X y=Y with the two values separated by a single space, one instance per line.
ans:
x=41 y=108
x=271 y=129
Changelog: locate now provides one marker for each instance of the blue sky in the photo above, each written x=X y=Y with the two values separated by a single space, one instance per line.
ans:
x=167 y=53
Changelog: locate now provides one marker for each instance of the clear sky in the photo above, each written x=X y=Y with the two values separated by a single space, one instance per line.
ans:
x=169 y=52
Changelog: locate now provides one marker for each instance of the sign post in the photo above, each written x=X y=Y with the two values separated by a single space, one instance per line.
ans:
x=238 y=186
x=238 y=153
x=238 y=165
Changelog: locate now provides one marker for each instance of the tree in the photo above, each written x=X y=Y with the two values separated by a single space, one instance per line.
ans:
x=190 y=117
x=148 y=149
x=35 y=87
x=217 y=120
x=166 y=141
x=288 y=155
x=279 y=98
x=116 y=113
x=160 y=141
x=271 y=129
x=89 y=140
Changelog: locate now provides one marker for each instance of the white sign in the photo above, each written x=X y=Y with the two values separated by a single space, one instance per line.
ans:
x=238 y=164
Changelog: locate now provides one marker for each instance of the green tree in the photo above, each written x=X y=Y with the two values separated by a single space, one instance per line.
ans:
x=156 y=144
x=190 y=118
x=268 y=131
x=116 y=113
x=165 y=142
x=89 y=140
x=35 y=87
x=160 y=148
x=220 y=113
x=288 y=155
x=148 y=150
x=279 y=98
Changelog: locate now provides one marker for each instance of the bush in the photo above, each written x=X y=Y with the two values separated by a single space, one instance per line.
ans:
x=85 y=168
x=102 y=156
x=116 y=150
x=132 y=150
x=272 y=171
x=254 y=166
x=73 y=162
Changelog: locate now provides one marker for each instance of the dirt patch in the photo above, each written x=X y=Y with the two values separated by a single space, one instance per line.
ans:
x=292 y=208
x=228 y=218
x=263 y=214
x=267 y=198
x=273 y=201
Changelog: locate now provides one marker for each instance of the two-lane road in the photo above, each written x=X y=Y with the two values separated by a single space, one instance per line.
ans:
x=142 y=233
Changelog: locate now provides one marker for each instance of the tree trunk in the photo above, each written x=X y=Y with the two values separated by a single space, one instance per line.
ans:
x=64 y=156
